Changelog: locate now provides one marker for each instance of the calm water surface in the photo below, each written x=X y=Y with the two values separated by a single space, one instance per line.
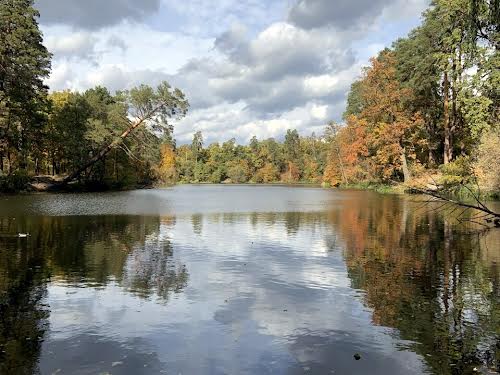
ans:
x=244 y=280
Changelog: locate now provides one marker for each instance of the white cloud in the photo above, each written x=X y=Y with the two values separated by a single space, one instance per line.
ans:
x=320 y=85
x=80 y=45
x=61 y=77
x=225 y=121
x=319 y=112
x=245 y=67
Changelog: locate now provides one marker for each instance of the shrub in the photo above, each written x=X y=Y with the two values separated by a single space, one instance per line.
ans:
x=457 y=172
x=17 y=181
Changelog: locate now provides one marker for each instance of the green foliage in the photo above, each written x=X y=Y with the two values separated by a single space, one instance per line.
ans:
x=24 y=64
x=457 y=172
x=378 y=187
x=458 y=179
x=297 y=159
x=156 y=107
x=197 y=145
x=239 y=172
x=104 y=139
x=354 y=100
x=476 y=114
x=431 y=99
x=79 y=125
x=444 y=98
x=18 y=181
x=292 y=145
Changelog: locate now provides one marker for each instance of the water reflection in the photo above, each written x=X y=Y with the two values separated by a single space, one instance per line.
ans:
x=23 y=316
x=258 y=292
x=439 y=287
x=66 y=255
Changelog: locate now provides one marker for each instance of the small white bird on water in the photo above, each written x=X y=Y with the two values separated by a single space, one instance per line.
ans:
x=23 y=235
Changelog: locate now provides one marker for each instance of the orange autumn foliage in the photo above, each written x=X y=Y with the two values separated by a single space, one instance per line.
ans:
x=292 y=173
x=377 y=143
x=349 y=150
x=392 y=125
x=268 y=173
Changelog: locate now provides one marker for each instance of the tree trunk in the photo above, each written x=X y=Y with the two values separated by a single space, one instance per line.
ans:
x=431 y=139
x=404 y=166
x=9 y=159
x=454 y=106
x=431 y=159
x=115 y=174
x=454 y=95
x=341 y=166
x=104 y=151
x=447 y=131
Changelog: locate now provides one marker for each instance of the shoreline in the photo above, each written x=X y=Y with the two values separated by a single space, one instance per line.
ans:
x=50 y=185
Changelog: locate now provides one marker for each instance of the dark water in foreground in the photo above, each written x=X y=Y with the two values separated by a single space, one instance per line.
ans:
x=244 y=280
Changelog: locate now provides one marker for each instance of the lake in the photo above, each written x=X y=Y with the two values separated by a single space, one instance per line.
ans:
x=244 y=280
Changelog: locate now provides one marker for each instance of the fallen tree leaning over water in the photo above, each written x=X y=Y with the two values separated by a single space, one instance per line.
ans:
x=479 y=212
x=148 y=108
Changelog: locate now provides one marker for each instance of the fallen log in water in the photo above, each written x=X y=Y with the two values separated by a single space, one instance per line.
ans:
x=482 y=214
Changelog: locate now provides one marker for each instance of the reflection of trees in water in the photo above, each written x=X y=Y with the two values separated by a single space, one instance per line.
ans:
x=430 y=282
x=438 y=287
x=292 y=221
x=128 y=250
x=197 y=222
x=23 y=319
x=88 y=250
x=150 y=269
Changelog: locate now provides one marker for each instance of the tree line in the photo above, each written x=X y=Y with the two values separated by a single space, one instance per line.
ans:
x=296 y=159
x=94 y=137
x=426 y=109
x=428 y=103
x=427 y=106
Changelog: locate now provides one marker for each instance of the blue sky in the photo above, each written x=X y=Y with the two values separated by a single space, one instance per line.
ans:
x=248 y=67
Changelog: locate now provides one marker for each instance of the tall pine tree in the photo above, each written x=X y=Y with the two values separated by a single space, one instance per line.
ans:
x=24 y=63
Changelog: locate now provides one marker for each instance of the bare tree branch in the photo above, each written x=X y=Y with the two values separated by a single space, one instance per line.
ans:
x=483 y=213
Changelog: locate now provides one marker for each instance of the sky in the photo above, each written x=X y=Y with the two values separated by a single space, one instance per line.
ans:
x=248 y=67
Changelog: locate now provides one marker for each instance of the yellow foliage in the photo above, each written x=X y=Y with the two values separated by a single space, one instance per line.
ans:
x=346 y=159
x=60 y=98
x=166 y=169
x=332 y=175
x=268 y=173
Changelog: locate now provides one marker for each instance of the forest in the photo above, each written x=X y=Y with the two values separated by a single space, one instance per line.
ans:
x=428 y=108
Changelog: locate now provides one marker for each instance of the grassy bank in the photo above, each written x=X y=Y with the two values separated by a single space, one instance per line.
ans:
x=21 y=183
x=378 y=187
x=462 y=192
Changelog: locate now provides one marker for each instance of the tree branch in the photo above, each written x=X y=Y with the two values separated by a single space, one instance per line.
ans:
x=484 y=214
